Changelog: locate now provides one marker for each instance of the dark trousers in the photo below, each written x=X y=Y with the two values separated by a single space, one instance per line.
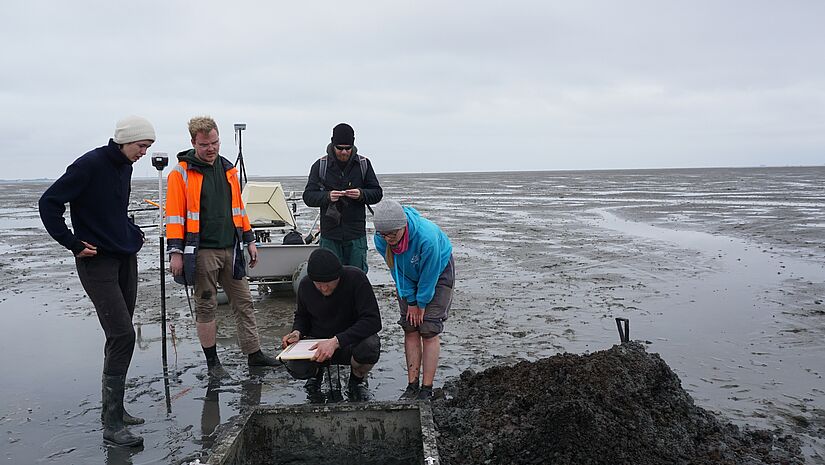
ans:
x=365 y=352
x=110 y=282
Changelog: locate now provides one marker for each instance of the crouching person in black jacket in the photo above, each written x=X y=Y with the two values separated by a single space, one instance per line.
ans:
x=337 y=305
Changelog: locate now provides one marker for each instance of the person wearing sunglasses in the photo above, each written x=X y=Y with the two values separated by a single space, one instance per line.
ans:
x=342 y=184
x=420 y=258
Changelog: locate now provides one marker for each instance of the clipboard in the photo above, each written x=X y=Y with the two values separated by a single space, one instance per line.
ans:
x=299 y=350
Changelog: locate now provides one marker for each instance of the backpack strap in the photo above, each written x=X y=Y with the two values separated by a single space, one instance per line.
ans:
x=363 y=161
x=322 y=168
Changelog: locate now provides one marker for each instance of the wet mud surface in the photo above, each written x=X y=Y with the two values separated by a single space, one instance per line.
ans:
x=721 y=273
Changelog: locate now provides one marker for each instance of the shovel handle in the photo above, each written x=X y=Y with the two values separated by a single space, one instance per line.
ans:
x=623 y=324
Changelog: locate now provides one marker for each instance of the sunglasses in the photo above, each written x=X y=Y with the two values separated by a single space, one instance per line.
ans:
x=343 y=148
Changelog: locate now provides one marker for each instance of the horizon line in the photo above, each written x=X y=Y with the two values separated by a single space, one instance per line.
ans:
x=571 y=170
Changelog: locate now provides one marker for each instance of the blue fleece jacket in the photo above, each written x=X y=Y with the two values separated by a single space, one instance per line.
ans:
x=416 y=271
x=97 y=187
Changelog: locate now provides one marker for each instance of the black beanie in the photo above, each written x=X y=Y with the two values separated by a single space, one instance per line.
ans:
x=323 y=266
x=343 y=134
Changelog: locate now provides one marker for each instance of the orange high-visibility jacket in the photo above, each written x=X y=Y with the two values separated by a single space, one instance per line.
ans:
x=183 y=201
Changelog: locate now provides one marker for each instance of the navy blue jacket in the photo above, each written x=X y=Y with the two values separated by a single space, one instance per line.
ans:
x=97 y=187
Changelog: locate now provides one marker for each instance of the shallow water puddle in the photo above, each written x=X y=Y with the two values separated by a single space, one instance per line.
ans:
x=723 y=328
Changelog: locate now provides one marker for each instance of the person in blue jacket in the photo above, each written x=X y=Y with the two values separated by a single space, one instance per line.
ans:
x=420 y=258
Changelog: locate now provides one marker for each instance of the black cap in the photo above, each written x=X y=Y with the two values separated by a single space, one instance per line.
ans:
x=323 y=266
x=343 y=134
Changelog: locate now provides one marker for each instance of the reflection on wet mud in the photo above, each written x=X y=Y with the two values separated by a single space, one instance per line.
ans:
x=720 y=271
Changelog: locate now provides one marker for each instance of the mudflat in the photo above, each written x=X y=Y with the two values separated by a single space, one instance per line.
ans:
x=721 y=273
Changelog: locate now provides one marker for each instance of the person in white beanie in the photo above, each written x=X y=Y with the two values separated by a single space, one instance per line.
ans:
x=104 y=243
x=420 y=258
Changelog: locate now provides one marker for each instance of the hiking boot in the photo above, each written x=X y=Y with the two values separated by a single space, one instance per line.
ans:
x=411 y=393
x=259 y=359
x=217 y=371
x=358 y=389
x=425 y=393
x=114 y=430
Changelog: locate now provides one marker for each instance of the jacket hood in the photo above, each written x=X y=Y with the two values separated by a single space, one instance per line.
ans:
x=189 y=157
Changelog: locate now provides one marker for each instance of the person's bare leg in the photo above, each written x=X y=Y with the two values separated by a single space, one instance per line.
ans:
x=207 y=333
x=412 y=352
x=432 y=349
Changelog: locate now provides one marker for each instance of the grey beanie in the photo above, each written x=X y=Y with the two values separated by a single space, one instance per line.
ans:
x=388 y=216
x=132 y=129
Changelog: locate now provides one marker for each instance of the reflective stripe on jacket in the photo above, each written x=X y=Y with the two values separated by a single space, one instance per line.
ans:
x=183 y=200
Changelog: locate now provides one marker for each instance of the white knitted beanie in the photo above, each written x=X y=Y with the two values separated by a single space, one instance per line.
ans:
x=132 y=129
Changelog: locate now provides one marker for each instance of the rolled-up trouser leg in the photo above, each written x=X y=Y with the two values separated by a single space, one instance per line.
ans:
x=111 y=284
x=240 y=299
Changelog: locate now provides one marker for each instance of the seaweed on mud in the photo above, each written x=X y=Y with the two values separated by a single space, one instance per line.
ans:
x=620 y=405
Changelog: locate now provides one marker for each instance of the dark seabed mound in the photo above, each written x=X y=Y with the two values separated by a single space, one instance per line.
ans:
x=621 y=405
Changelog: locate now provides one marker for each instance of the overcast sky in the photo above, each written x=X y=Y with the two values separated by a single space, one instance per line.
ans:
x=429 y=86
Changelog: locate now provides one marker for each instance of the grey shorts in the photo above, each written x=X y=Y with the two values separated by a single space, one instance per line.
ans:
x=438 y=310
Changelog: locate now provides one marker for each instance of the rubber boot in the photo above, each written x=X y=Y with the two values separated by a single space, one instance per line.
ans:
x=114 y=430
x=128 y=419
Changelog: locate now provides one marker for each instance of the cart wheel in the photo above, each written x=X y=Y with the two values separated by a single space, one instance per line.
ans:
x=222 y=298
x=299 y=274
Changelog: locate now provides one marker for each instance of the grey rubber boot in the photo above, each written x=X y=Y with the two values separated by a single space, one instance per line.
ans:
x=114 y=430
x=127 y=418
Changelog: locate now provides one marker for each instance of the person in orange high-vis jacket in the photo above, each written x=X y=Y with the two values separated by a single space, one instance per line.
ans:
x=206 y=229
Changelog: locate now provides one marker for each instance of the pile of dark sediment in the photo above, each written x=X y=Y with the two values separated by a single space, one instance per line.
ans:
x=618 y=406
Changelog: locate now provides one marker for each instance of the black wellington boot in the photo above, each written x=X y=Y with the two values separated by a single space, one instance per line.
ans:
x=127 y=418
x=114 y=430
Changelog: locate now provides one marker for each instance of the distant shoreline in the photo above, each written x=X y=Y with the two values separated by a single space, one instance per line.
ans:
x=600 y=170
